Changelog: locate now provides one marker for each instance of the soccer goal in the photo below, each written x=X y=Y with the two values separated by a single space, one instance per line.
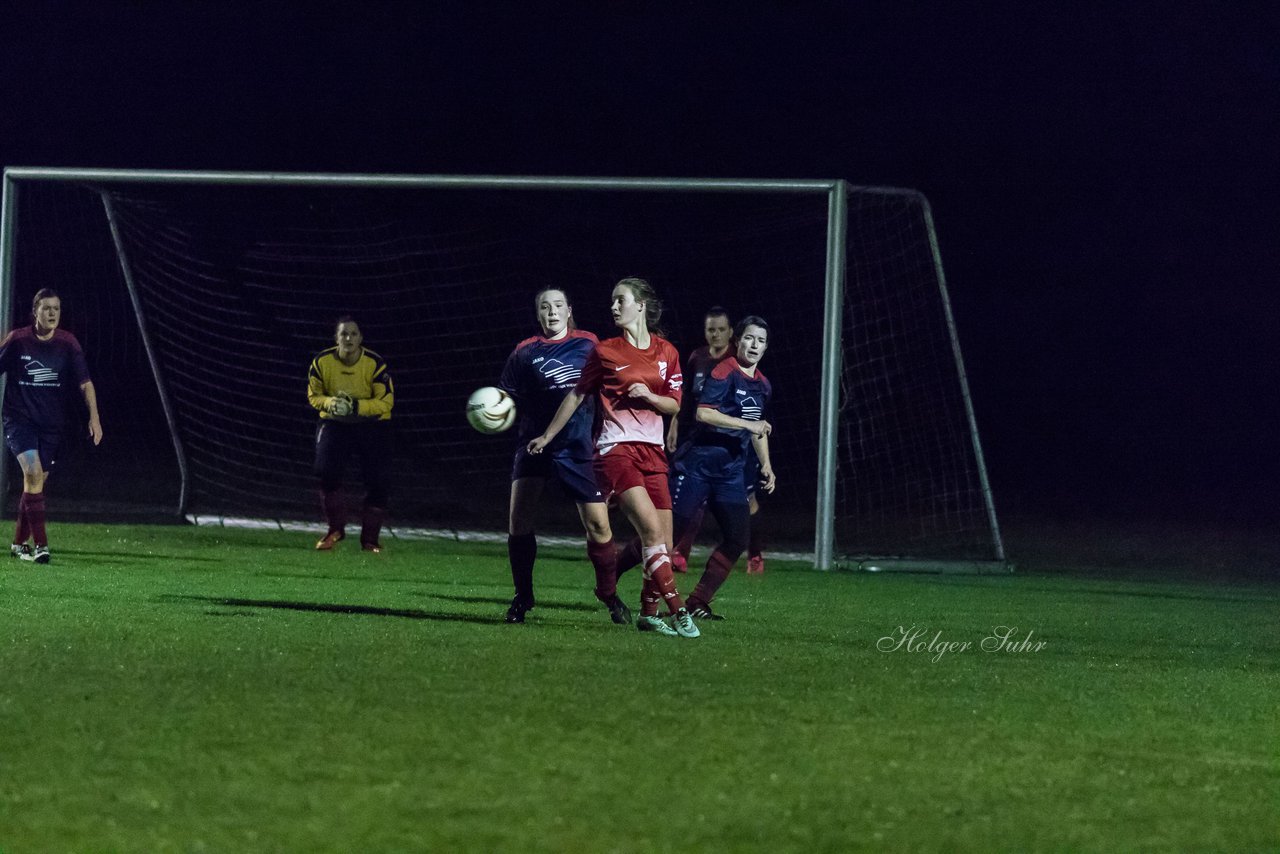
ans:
x=200 y=298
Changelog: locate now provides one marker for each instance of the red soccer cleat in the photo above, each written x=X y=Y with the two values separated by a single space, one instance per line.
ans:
x=755 y=565
x=329 y=540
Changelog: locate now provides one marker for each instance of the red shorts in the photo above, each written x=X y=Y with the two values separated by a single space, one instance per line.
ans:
x=631 y=464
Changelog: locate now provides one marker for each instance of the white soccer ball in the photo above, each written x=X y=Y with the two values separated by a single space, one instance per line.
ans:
x=491 y=410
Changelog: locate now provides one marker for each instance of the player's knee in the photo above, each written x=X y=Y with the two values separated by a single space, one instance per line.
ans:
x=734 y=542
x=650 y=528
x=732 y=549
x=597 y=524
x=735 y=528
x=598 y=530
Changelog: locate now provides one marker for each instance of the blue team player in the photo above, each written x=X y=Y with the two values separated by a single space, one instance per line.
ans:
x=43 y=364
x=709 y=469
x=538 y=374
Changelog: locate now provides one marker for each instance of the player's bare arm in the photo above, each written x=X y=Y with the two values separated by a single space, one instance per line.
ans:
x=673 y=435
x=568 y=406
x=91 y=401
x=664 y=405
x=716 y=418
x=761 y=446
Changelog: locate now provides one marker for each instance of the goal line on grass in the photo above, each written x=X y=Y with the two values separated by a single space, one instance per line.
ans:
x=894 y=564
x=407 y=533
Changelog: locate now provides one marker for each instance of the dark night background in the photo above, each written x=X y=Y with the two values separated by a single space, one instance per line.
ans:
x=1104 y=177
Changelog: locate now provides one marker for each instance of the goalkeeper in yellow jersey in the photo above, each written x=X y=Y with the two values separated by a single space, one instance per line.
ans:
x=351 y=388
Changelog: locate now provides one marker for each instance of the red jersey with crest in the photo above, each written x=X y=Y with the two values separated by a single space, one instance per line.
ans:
x=613 y=366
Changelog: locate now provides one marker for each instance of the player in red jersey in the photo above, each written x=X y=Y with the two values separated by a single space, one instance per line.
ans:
x=42 y=362
x=538 y=374
x=636 y=380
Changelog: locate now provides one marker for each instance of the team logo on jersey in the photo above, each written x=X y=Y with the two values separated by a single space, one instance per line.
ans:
x=40 y=375
x=662 y=370
x=558 y=373
x=751 y=409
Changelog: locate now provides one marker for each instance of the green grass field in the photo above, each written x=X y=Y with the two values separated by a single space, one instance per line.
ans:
x=203 y=689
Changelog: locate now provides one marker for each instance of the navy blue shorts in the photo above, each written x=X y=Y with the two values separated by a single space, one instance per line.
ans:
x=22 y=437
x=699 y=476
x=576 y=474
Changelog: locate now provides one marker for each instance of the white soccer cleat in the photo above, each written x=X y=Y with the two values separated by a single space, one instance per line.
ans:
x=647 y=623
x=685 y=626
x=20 y=550
x=38 y=555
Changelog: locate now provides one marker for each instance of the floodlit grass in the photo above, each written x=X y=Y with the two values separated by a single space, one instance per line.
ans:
x=182 y=689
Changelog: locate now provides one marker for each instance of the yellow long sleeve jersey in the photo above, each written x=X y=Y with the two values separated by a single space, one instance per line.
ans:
x=367 y=381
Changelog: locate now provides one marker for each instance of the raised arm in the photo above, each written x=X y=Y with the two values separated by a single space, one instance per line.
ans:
x=382 y=397
x=662 y=403
x=714 y=417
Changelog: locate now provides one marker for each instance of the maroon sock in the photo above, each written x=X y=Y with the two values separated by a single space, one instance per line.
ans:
x=628 y=557
x=35 y=518
x=335 y=510
x=604 y=557
x=23 y=532
x=522 y=550
x=657 y=565
x=718 y=568
x=371 y=525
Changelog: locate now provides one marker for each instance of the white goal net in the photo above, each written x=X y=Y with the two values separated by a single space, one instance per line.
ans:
x=237 y=287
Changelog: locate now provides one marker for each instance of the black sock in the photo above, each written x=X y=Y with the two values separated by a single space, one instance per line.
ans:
x=523 y=551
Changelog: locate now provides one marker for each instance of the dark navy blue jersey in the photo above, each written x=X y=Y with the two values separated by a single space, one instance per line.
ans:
x=729 y=390
x=40 y=376
x=538 y=374
x=697 y=368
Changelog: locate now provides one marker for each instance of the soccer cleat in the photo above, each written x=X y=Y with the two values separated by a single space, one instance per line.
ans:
x=40 y=554
x=755 y=565
x=679 y=563
x=519 y=607
x=654 y=623
x=371 y=547
x=329 y=540
x=704 y=612
x=685 y=627
x=20 y=550
x=618 y=610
